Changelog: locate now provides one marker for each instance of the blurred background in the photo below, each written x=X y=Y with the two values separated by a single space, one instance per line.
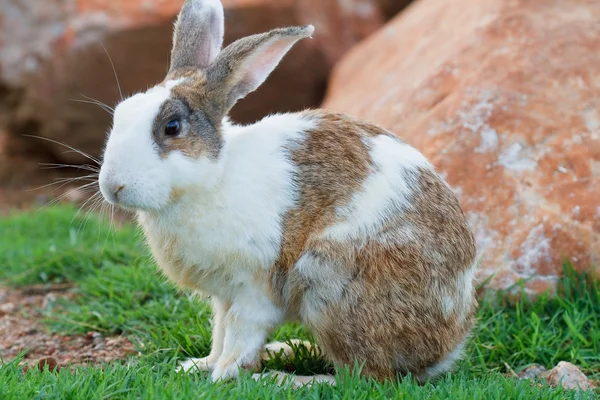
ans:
x=501 y=95
x=54 y=52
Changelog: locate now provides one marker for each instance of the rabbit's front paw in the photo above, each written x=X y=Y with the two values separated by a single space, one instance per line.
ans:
x=224 y=371
x=197 y=364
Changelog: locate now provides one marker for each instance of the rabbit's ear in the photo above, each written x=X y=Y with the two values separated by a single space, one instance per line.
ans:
x=245 y=64
x=198 y=34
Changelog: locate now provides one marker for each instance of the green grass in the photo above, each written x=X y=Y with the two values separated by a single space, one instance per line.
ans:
x=120 y=292
x=54 y=245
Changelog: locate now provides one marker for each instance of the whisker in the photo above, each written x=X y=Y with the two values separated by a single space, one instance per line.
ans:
x=114 y=70
x=99 y=102
x=65 y=181
x=109 y=110
x=104 y=206
x=90 y=177
x=84 y=188
x=104 y=215
x=79 y=210
x=88 y=214
x=94 y=159
x=113 y=226
x=96 y=203
x=57 y=199
x=86 y=167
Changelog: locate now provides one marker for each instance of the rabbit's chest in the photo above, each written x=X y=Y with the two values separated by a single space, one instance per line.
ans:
x=207 y=249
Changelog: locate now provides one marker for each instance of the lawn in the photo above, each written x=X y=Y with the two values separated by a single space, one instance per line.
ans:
x=120 y=292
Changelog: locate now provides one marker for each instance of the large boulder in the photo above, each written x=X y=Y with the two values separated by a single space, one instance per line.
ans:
x=503 y=97
x=52 y=51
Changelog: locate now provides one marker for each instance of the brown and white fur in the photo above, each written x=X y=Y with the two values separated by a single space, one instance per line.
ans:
x=311 y=216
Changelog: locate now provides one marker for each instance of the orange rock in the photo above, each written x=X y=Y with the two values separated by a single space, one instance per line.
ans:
x=502 y=95
x=339 y=24
x=55 y=54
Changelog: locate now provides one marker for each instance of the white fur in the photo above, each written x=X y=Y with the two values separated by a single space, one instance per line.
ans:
x=395 y=164
x=130 y=158
x=252 y=317
x=235 y=224
x=270 y=350
x=445 y=365
x=283 y=349
x=458 y=300
x=330 y=281
x=447 y=306
x=464 y=285
x=225 y=232
x=196 y=364
x=208 y=363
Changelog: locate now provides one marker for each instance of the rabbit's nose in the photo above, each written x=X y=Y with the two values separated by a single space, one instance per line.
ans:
x=116 y=190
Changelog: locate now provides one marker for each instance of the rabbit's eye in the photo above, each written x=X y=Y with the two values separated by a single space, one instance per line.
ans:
x=173 y=128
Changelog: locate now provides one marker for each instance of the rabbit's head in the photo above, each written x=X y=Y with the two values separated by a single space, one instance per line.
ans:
x=168 y=140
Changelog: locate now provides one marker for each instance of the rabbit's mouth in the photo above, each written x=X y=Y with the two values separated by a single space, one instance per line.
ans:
x=133 y=193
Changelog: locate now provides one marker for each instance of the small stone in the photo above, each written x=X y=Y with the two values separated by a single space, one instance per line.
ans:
x=49 y=299
x=99 y=346
x=95 y=337
x=568 y=376
x=531 y=371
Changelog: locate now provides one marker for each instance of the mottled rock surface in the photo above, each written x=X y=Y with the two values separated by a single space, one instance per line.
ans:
x=502 y=95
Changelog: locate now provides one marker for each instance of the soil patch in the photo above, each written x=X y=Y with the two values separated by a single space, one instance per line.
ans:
x=22 y=329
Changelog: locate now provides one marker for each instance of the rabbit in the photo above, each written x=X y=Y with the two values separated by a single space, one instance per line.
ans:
x=312 y=216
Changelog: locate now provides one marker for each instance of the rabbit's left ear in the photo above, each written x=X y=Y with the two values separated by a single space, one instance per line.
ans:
x=245 y=64
x=198 y=36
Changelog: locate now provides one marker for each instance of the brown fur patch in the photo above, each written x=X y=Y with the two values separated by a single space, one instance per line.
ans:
x=193 y=89
x=209 y=90
x=391 y=315
x=333 y=162
x=201 y=131
x=390 y=312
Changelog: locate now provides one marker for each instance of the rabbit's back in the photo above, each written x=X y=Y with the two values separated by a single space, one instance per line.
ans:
x=359 y=186
x=377 y=256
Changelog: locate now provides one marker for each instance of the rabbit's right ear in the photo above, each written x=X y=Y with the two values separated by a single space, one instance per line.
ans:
x=245 y=64
x=198 y=36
